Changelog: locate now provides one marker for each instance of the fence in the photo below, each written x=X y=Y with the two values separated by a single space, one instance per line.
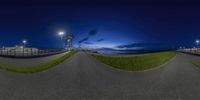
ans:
x=30 y=52
x=195 y=51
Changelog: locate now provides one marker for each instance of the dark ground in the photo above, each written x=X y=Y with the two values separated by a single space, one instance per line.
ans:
x=28 y=62
x=83 y=78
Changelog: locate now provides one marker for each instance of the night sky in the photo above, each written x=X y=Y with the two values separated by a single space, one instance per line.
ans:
x=98 y=24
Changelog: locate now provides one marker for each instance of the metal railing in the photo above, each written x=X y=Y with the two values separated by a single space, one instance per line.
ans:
x=30 y=52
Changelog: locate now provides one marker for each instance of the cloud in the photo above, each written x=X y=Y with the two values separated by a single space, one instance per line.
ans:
x=90 y=34
x=132 y=48
x=83 y=40
x=93 y=32
x=100 y=40
x=131 y=45
x=147 y=46
x=86 y=42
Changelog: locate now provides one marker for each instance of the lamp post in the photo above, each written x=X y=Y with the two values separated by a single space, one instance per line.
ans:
x=61 y=34
x=197 y=43
x=24 y=45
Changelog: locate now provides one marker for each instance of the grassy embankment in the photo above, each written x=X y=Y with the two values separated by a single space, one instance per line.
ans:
x=37 y=68
x=137 y=63
x=196 y=64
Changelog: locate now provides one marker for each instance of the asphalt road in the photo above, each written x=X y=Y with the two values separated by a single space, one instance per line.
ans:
x=83 y=78
x=28 y=62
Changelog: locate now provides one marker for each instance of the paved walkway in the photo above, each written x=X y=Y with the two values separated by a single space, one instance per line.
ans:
x=83 y=78
x=28 y=62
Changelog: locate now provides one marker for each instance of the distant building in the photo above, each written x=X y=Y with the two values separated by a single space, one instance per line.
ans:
x=191 y=50
x=19 y=50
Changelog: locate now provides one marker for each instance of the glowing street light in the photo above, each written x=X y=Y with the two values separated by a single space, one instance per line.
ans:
x=197 y=42
x=24 y=45
x=24 y=42
x=61 y=34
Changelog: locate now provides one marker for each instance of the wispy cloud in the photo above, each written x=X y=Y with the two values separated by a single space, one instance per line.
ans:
x=146 y=46
x=133 y=48
x=100 y=40
x=131 y=45
x=84 y=39
x=86 y=42
x=90 y=34
x=93 y=32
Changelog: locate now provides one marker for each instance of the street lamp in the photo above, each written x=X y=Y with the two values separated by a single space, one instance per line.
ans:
x=197 y=42
x=24 y=45
x=24 y=42
x=61 y=34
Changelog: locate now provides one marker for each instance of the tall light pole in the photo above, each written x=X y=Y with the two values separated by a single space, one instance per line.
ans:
x=197 y=43
x=24 y=45
x=61 y=34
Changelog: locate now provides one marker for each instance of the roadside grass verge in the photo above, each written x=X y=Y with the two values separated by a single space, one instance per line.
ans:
x=38 y=68
x=137 y=63
x=196 y=64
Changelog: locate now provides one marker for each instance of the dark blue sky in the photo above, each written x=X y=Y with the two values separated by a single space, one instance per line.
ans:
x=122 y=24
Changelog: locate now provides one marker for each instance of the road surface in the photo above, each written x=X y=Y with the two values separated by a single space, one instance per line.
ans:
x=28 y=62
x=83 y=78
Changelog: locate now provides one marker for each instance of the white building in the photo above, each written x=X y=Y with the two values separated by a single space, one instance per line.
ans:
x=17 y=50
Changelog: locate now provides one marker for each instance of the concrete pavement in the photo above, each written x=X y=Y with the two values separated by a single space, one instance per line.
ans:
x=83 y=78
x=28 y=62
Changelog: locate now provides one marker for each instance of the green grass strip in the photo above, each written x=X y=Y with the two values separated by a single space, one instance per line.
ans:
x=38 y=68
x=137 y=63
x=196 y=64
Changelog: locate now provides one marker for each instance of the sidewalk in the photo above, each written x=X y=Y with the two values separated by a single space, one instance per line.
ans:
x=27 y=62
